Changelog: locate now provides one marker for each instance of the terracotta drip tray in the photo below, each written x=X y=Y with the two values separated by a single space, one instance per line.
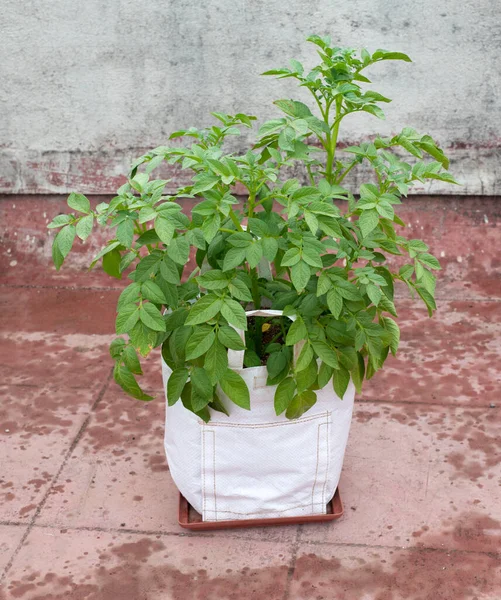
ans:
x=190 y=519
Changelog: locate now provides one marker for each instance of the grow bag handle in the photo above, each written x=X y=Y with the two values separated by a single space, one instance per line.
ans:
x=236 y=357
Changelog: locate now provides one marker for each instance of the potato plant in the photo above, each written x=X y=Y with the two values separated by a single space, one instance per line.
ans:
x=288 y=245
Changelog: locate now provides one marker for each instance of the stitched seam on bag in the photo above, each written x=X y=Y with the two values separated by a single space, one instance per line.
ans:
x=319 y=503
x=259 y=382
x=316 y=468
x=214 y=470
x=328 y=456
x=259 y=512
x=203 y=471
x=264 y=425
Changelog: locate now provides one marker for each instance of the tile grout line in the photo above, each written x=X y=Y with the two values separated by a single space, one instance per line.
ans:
x=295 y=544
x=292 y=564
x=41 y=504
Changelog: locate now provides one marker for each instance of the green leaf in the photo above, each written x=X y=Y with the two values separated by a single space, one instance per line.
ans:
x=284 y=394
x=251 y=359
x=300 y=275
x=117 y=347
x=179 y=250
x=216 y=404
x=234 y=257
x=300 y=404
x=169 y=271
x=347 y=290
x=213 y=280
x=293 y=108
x=200 y=382
x=189 y=397
x=340 y=381
x=254 y=253
x=384 y=55
x=204 y=182
x=165 y=229
x=126 y=380
x=64 y=240
x=216 y=361
x=358 y=373
x=57 y=257
x=127 y=317
x=297 y=332
x=151 y=291
x=204 y=310
x=427 y=299
x=142 y=338
x=238 y=289
x=304 y=358
x=323 y=284
x=125 y=233
x=325 y=353
x=374 y=294
x=392 y=327
x=307 y=377
x=430 y=261
x=59 y=221
x=324 y=375
x=151 y=317
x=230 y=338
x=312 y=257
x=147 y=213
x=291 y=257
x=175 y=384
x=131 y=360
x=276 y=362
x=335 y=302
x=200 y=341
x=368 y=221
x=270 y=247
x=233 y=312
x=148 y=265
x=84 y=227
x=235 y=388
x=79 y=202
x=111 y=263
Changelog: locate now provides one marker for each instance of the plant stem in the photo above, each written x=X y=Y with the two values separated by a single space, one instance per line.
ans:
x=333 y=141
x=347 y=171
x=235 y=220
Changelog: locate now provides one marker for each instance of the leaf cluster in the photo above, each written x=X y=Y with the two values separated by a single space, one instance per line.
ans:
x=287 y=247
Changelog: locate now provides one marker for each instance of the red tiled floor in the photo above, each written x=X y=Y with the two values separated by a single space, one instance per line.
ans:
x=451 y=359
x=10 y=537
x=350 y=572
x=417 y=475
x=37 y=428
x=420 y=482
x=95 y=565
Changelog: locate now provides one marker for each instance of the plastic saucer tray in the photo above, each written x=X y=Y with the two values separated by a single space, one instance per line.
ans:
x=190 y=519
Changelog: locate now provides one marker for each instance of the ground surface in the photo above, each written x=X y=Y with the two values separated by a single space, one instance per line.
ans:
x=87 y=506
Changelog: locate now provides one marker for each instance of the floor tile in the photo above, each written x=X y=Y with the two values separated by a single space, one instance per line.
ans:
x=95 y=565
x=420 y=473
x=118 y=476
x=10 y=536
x=365 y=573
x=450 y=359
x=37 y=428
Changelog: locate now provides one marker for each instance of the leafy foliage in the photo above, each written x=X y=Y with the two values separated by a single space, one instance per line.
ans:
x=289 y=247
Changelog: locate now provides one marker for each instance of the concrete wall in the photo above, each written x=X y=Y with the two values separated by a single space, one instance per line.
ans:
x=88 y=85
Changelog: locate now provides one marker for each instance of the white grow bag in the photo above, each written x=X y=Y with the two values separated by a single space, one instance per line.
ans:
x=254 y=464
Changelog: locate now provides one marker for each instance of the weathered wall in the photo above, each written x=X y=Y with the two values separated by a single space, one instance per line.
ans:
x=86 y=86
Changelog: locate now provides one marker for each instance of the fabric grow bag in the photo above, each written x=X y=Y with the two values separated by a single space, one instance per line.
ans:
x=255 y=464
